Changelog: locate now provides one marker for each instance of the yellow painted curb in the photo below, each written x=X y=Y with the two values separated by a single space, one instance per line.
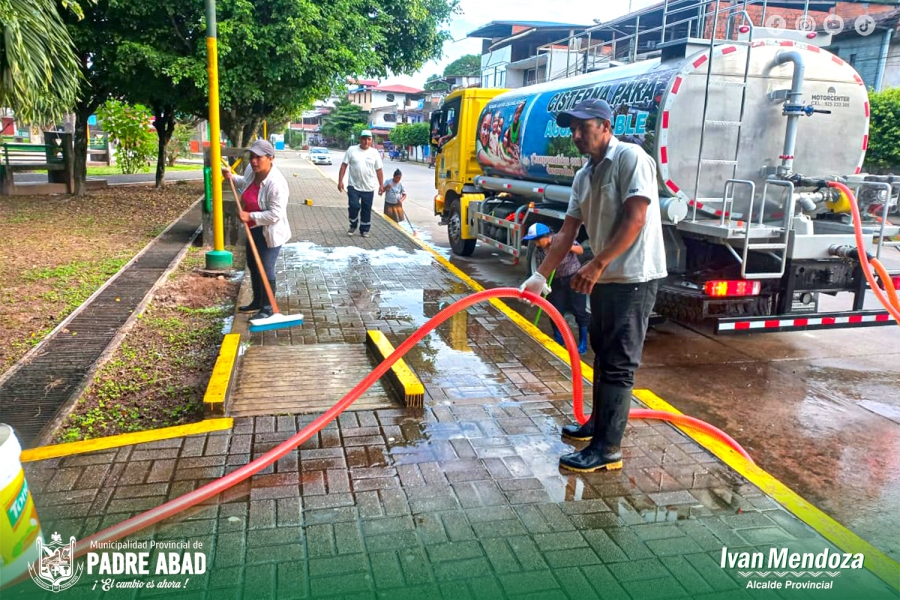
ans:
x=219 y=381
x=126 y=439
x=401 y=377
x=876 y=561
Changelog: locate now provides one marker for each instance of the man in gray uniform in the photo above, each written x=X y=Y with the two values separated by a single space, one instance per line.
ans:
x=616 y=196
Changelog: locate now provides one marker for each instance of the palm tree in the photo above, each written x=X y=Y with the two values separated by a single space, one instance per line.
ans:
x=39 y=73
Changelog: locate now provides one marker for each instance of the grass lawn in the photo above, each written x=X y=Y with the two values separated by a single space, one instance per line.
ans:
x=115 y=170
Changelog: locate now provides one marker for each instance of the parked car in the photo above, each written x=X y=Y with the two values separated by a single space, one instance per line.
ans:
x=320 y=156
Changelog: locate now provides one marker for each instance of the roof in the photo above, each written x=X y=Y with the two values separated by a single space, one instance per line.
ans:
x=496 y=29
x=399 y=89
x=363 y=82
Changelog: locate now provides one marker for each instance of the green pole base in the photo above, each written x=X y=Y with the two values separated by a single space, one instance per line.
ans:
x=219 y=260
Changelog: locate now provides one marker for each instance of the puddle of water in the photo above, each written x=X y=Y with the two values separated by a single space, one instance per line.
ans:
x=227 y=324
x=307 y=254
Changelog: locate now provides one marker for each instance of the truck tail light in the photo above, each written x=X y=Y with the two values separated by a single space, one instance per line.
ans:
x=719 y=288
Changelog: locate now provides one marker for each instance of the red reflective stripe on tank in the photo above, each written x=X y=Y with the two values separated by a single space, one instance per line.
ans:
x=676 y=85
x=663 y=155
x=729 y=50
x=884 y=317
x=700 y=61
x=666 y=119
x=857 y=79
x=800 y=322
x=866 y=104
x=812 y=48
x=671 y=185
x=857 y=171
x=855 y=319
x=828 y=320
x=837 y=59
x=775 y=323
x=742 y=325
x=786 y=43
x=865 y=141
x=757 y=43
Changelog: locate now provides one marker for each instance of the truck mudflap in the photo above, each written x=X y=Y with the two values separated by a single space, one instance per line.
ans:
x=803 y=322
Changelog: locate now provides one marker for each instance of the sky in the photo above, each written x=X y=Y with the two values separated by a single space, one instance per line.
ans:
x=476 y=13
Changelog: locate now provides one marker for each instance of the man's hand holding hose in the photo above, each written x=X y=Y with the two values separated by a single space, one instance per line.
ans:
x=536 y=284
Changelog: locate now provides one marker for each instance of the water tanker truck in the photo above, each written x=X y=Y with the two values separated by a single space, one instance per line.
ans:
x=744 y=136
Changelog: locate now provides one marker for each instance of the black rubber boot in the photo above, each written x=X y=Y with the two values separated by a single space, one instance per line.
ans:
x=593 y=459
x=604 y=450
x=265 y=311
x=585 y=432
x=255 y=285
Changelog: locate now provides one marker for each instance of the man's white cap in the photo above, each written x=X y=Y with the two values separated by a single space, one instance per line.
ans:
x=365 y=133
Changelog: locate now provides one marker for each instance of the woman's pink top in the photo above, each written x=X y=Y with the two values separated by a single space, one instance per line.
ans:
x=250 y=198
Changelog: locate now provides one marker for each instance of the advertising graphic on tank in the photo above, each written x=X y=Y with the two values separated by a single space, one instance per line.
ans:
x=518 y=135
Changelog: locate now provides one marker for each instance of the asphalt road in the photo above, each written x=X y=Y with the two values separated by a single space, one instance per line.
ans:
x=820 y=410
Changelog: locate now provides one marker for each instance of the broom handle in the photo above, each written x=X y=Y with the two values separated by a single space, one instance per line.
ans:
x=259 y=265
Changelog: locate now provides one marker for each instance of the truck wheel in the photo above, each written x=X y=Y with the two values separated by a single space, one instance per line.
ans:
x=678 y=304
x=460 y=246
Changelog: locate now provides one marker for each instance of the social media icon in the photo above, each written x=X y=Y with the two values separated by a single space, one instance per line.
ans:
x=864 y=25
x=805 y=23
x=776 y=24
x=834 y=24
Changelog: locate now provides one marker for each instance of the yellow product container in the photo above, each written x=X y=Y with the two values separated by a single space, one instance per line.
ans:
x=19 y=525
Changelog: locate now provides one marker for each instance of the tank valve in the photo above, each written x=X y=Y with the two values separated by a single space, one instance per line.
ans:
x=844 y=251
x=800 y=109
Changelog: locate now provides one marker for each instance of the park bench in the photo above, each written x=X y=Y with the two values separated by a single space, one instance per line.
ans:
x=51 y=156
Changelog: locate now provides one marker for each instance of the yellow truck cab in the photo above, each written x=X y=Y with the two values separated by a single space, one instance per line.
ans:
x=454 y=130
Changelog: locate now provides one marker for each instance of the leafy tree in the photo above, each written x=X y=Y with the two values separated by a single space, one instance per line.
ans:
x=96 y=51
x=339 y=123
x=469 y=65
x=277 y=57
x=883 y=153
x=180 y=143
x=411 y=134
x=39 y=75
x=127 y=126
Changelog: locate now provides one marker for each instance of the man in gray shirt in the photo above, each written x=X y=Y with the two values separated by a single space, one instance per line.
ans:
x=616 y=196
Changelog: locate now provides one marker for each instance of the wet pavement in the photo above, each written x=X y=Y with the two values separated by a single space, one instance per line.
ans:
x=820 y=410
x=461 y=499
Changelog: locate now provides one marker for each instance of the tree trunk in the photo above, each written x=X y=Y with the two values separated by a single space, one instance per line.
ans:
x=250 y=130
x=233 y=128
x=81 y=145
x=164 y=122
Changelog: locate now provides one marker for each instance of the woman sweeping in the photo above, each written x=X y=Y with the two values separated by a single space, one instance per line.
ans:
x=264 y=194
x=394 y=195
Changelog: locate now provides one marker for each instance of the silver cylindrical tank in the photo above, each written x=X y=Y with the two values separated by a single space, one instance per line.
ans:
x=659 y=105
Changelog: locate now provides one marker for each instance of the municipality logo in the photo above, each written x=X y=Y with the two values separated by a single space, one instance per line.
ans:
x=55 y=568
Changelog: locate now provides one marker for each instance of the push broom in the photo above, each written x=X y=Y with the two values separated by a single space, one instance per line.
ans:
x=277 y=320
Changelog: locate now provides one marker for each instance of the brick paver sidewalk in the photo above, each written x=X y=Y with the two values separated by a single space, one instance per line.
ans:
x=463 y=499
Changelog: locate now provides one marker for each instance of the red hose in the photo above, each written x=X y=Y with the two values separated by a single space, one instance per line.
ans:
x=863 y=259
x=218 y=486
x=686 y=421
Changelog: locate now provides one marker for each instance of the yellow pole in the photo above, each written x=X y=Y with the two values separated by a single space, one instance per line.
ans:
x=219 y=258
x=265 y=129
